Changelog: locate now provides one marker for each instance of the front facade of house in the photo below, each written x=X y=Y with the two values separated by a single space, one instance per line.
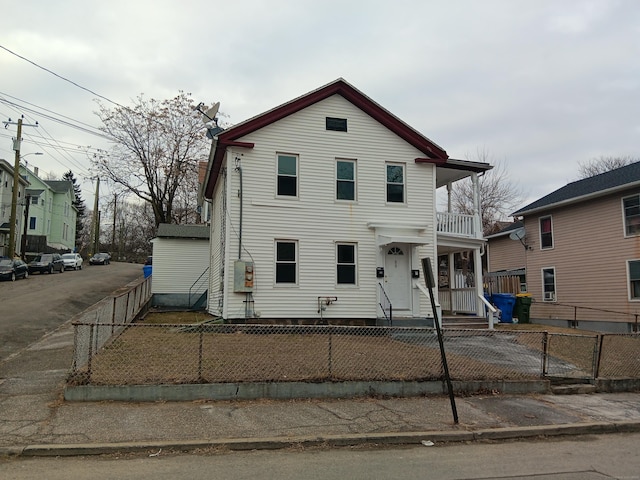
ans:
x=581 y=252
x=6 y=199
x=51 y=222
x=324 y=208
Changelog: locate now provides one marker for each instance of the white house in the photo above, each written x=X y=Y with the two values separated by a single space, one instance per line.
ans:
x=324 y=207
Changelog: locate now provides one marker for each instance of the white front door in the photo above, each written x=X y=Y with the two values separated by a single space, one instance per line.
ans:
x=397 y=278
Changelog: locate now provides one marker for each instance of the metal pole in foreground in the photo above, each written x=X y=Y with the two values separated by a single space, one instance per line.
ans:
x=428 y=278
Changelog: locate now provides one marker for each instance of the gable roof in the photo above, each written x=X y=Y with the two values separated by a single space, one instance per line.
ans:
x=587 y=188
x=59 y=186
x=229 y=137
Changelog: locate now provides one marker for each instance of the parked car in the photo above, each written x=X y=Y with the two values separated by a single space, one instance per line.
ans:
x=46 y=262
x=72 y=260
x=13 y=269
x=100 y=259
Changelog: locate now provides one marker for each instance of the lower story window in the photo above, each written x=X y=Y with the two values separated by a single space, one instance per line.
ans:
x=346 y=263
x=634 y=279
x=549 y=284
x=32 y=223
x=286 y=262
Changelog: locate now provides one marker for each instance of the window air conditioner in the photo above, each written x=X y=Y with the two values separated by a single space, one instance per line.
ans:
x=549 y=296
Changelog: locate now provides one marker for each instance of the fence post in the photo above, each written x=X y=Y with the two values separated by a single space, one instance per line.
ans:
x=330 y=359
x=596 y=369
x=545 y=353
x=90 y=353
x=200 y=338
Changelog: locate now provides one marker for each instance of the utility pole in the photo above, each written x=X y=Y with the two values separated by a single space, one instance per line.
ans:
x=95 y=222
x=113 y=233
x=16 y=185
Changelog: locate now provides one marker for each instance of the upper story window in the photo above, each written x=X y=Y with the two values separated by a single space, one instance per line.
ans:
x=345 y=180
x=336 y=124
x=631 y=207
x=346 y=263
x=546 y=232
x=633 y=267
x=549 y=284
x=286 y=261
x=395 y=183
x=287 y=175
x=34 y=200
x=32 y=223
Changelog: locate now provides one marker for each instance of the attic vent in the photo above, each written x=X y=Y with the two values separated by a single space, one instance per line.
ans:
x=337 y=124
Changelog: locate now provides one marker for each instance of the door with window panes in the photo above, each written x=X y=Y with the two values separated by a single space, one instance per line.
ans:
x=397 y=278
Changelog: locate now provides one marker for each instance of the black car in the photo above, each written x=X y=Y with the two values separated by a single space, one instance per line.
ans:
x=47 y=263
x=13 y=269
x=100 y=259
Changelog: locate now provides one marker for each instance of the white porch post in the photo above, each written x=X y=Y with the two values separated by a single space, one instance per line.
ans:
x=477 y=268
x=476 y=206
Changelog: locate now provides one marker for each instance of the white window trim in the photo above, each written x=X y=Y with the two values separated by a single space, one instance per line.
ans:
x=296 y=261
x=355 y=259
x=629 y=296
x=355 y=180
x=297 y=157
x=555 y=286
x=553 y=243
x=624 y=217
x=404 y=183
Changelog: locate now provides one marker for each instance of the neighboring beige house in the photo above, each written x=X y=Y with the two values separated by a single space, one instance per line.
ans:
x=580 y=248
x=323 y=208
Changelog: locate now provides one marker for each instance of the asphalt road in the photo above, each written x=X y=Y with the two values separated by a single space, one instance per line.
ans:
x=591 y=457
x=38 y=305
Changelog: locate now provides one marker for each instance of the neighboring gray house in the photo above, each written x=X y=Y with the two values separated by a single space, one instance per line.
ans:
x=180 y=273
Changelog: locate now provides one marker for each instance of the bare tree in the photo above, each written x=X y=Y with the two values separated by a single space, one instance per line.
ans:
x=602 y=164
x=156 y=148
x=499 y=196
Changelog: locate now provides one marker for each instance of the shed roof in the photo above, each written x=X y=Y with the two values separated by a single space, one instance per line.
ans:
x=171 y=230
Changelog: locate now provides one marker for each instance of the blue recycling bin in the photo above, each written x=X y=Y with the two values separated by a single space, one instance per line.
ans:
x=147 y=271
x=505 y=302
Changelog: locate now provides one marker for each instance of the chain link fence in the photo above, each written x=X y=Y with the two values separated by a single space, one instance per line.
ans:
x=110 y=353
x=112 y=314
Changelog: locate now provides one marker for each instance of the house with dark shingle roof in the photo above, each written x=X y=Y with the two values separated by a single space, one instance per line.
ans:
x=580 y=248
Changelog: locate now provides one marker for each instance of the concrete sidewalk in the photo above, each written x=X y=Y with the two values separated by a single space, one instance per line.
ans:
x=34 y=420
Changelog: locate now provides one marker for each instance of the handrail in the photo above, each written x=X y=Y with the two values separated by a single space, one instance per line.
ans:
x=206 y=270
x=384 y=311
x=424 y=291
x=491 y=309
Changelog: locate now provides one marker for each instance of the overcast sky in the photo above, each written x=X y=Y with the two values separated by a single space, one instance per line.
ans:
x=539 y=85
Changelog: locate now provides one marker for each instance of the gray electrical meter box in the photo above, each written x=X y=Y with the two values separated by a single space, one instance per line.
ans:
x=242 y=276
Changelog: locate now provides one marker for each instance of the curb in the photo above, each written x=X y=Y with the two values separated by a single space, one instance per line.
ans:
x=274 y=443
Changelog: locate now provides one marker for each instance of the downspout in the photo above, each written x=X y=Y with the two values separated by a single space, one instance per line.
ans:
x=239 y=170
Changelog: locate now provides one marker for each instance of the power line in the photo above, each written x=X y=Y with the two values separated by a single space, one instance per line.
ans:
x=60 y=76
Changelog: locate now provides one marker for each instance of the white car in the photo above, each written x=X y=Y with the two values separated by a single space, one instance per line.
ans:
x=72 y=260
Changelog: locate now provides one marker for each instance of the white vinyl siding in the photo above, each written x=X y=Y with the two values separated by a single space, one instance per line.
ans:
x=316 y=220
x=177 y=264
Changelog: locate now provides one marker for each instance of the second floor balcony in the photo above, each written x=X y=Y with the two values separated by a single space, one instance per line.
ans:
x=458 y=224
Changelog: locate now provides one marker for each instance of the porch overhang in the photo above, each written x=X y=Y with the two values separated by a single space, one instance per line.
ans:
x=383 y=240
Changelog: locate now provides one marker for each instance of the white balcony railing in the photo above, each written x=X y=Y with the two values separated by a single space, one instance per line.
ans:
x=456 y=224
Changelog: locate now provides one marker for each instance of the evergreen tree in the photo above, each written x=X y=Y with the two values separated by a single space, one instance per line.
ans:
x=78 y=202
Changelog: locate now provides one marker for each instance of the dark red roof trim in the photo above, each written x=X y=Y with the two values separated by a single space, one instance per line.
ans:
x=340 y=87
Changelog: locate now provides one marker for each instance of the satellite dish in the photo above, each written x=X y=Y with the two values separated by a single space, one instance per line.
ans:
x=517 y=234
x=211 y=113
